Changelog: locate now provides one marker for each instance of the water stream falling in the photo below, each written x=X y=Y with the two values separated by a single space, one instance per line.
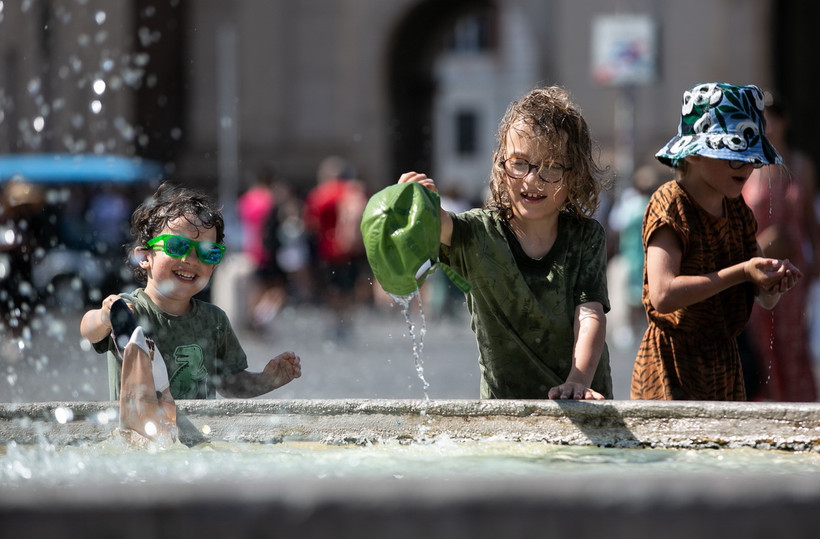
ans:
x=404 y=302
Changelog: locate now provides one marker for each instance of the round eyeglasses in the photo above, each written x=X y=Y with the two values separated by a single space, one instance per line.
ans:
x=737 y=165
x=518 y=168
x=179 y=246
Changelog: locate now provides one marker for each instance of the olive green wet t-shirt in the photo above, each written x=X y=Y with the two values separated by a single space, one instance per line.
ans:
x=523 y=309
x=198 y=347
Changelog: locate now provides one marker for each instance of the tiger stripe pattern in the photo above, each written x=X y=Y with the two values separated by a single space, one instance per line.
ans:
x=691 y=353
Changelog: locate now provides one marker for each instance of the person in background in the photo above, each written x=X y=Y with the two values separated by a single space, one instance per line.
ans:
x=703 y=266
x=286 y=236
x=256 y=209
x=782 y=199
x=177 y=238
x=332 y=216
x=625 y=222
x=535 y=257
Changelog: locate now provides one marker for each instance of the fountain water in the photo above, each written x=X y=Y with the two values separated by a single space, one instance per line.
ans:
x=464 y=486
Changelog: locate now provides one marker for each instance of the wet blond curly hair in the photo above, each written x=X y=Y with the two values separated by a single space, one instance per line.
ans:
x=558 y=127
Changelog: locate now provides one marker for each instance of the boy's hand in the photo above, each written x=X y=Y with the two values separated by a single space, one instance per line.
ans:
x=283 y=369
x=420 y=178
x=575 y=391
x=105 y=310
x=96 y=323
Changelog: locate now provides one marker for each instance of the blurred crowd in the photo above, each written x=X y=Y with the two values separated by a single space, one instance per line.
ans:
x=306 y=248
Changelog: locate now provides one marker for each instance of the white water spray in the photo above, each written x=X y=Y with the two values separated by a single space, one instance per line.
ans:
x=418 y=340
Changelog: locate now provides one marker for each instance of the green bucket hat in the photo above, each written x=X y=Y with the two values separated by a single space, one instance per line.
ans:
x=401 y=227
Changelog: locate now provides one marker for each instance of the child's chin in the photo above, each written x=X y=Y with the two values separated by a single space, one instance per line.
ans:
x=171 y=286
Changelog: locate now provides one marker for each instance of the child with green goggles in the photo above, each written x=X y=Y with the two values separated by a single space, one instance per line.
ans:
x=201 y=351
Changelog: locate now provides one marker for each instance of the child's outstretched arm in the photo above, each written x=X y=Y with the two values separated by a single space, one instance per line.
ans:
x=670 y=291
x=446 y=220
x=590 y=333
x=279 y=371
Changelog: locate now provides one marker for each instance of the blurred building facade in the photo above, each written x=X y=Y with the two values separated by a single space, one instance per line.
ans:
x=215 y=89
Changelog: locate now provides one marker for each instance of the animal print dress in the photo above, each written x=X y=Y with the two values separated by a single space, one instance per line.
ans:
x=691 y=353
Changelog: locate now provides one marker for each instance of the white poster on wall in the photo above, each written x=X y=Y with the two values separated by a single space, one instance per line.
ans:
x=623 y=50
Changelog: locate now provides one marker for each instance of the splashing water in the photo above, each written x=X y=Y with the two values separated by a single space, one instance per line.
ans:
x=418 y=340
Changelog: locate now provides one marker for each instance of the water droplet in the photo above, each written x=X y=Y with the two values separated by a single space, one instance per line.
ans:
x=99 y=86
x=33 y=86
x=141 y=59
x=63 y=415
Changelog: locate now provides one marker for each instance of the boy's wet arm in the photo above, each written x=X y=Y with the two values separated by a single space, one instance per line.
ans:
x=279 y=371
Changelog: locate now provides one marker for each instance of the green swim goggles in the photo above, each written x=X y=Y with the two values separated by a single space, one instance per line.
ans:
x=179 y=246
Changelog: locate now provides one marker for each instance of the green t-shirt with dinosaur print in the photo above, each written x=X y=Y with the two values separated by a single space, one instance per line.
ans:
x=198 y=347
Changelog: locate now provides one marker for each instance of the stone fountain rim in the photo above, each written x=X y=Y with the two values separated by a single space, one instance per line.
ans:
x=786 y=426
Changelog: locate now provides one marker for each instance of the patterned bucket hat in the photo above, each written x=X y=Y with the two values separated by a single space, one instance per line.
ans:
x=722 y=121
x=401 y=227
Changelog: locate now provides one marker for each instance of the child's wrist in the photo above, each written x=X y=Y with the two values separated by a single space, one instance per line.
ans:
x=747 y=276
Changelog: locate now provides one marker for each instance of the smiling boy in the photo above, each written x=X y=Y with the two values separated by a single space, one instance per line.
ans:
x=177 y=244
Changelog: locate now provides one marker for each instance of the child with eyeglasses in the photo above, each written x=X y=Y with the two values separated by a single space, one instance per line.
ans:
x=703 y=267
x=177 y=244
x=535 y=257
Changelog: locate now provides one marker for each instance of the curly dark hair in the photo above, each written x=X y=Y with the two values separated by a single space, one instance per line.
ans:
x=559 y=127
x=171 y=202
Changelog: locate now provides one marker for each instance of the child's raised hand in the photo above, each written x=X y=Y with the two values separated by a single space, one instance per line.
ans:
x=283 y=369
x=419 y=177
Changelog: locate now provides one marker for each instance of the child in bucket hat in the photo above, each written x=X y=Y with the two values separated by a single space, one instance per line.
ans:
x=535 y=258
x=703 y=265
